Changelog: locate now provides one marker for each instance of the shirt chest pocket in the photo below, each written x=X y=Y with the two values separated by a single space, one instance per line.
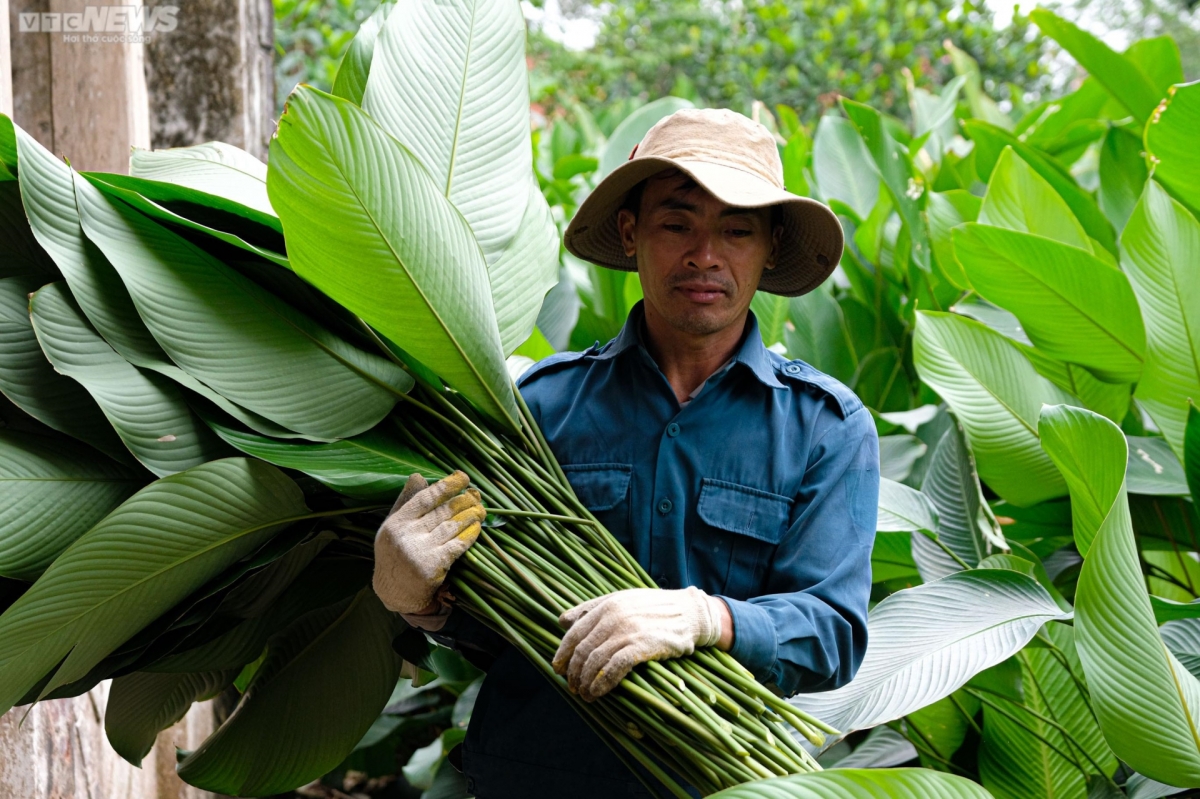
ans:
x=739 y=529
x=603 y=488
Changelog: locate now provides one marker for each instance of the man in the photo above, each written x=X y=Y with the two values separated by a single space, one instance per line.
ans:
x=745 y=484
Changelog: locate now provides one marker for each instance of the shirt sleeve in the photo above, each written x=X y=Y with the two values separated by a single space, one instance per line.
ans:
x=808 y=632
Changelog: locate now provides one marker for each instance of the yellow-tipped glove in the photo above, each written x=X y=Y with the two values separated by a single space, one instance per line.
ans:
x=607 y=636
x=427 y=529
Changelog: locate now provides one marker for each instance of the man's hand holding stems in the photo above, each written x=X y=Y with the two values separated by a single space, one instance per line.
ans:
x=431 y=526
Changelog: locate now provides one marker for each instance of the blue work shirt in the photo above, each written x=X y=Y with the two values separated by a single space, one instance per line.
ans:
x=762 y=490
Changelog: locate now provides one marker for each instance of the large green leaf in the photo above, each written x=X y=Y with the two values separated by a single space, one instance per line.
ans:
x=1123 y=175
x=255 y=350
x=1154 y=469
x=143 y=558
x=213 y=168
x=820 y=334
x=895 y=169
x=945 y=210
x=965 y=522
x=1020 y=199
x=449 y=81
x=343 y=185
x=1072 y=305
x=990 y=142
x=897 y=783
x=903 y=509
x=842 y=166
x=1170 y=143
x=996 y=396
x=55 y=491
x=371 y=465
x=1147 y=704
x=351 y=79
x=148 y=411
x=335 y=665
x=140 y=705
x=8 y=147
x=49 y=195
x=1159 y=249
x=633 y=129
x=928 y=641
x=1191 y=451
x=1118 y=74
x=32 y=384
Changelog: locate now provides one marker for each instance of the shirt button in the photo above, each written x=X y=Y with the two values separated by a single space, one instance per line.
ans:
x=664 y=506
x=672 y=430
x=792 y=369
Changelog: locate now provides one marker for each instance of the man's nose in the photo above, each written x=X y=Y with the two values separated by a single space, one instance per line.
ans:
x=705 y=252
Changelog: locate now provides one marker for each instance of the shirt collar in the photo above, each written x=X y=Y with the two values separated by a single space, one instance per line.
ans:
x=751 y=352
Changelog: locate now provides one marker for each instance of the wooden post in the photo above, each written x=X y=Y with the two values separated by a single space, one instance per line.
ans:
x=6 y=95
x=212 y=78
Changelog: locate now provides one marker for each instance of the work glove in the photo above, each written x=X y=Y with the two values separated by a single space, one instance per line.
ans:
x=607 y=636
x=427 y=529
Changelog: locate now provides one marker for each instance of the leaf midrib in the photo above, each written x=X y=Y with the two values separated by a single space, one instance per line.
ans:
x=462 y=101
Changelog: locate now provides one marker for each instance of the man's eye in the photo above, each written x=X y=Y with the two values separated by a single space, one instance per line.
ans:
x=740 y=233
x=674 y=228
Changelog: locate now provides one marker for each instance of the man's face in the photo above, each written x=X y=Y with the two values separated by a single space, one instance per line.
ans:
x=699 y=260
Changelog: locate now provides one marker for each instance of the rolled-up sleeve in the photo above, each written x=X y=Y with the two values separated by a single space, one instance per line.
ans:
x=808 y=631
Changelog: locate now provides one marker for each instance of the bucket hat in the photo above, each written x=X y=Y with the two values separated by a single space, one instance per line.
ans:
x=737 y=161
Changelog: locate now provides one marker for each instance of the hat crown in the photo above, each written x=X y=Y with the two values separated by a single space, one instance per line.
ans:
x=715 y=136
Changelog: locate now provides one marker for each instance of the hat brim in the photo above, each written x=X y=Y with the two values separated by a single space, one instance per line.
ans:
x=809 y=249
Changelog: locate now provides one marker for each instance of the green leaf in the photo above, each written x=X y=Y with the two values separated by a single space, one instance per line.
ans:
x=920 y=653
x=1122 y=175
x=343 y=185
x=842 y=166
x=253 y=350
x=574 y=164
x=903 y=509
x=143 y=558
x=371 y=465
x=882 y=748
x=982 y=106
x=351 y=79
x=1160 y=242
x=8 y=146
x=218 y=170
x=996 y=396
x=945 y=210
x=898 y=783
x=1145 y=701
x=795 y=157
x=1015 y=759
x=1116 y=73
x=772 y=313
x=1072 y=305
x=449 y=81
x=965 y=522
x=134 y=192
x=1159 y=59
x=897 y=455
x=33 y=385
x=336 y=665
x=148 y=411
x=140 y=705
x=906 y=186
x=1153 y=468
x=23 y=256
x=819 y=334
x=633 y=129
x=1170 y=143
x=1020 y=199
x=990 y=142
x=1182 y=638
x=56 y=490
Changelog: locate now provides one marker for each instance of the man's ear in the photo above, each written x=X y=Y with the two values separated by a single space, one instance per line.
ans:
x=776 y=238
x=627 y=227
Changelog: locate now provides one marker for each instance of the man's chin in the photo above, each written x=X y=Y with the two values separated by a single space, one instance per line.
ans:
x=702 y=320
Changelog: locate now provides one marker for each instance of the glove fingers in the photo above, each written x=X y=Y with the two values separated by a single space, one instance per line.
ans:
x=465 y=535
x=609 y=674
x=415 y=484
x=436 y=494
x=590 y=658
x=569 y=617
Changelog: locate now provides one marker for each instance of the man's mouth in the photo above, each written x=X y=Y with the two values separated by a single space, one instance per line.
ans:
x=702 y=292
